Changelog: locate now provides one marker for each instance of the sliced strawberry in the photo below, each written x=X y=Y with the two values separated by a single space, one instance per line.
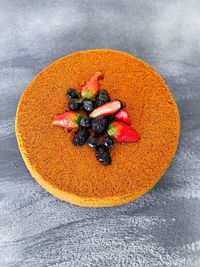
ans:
x=106 y=109
x=121 y=132
x=68 y=120
x=123 y=115
x=90 y=88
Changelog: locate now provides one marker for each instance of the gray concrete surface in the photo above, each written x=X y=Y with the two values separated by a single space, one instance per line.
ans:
x=163 y=227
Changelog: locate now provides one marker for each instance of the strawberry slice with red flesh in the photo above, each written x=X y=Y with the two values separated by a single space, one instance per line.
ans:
x=68 y=120
x=122 y=132
x=106 y=109
x=90 y=88
x=123 y=115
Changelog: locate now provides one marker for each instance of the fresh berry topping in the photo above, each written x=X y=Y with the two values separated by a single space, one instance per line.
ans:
x=88 y=106
x=105 y=116
x=103 y=92
x=123 y=115
x=103 y=155
x=85 y=122
x=102 y=99
x=111 y=117
x=99 y=124
x=109 y=142
x=72 y=93
x=68 y=120
x=92 y=141
x=81 y=137
x=122 y=132
x=72 y=104
x=107 y=109
x=90 y=87
x=123 y=104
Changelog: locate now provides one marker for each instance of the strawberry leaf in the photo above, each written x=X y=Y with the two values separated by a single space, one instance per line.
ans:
x=80 y=100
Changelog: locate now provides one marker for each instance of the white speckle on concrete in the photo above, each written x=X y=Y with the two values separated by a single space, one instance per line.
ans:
x=7 y=128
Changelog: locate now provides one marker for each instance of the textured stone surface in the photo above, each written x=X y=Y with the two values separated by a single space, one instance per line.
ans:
x=163 y=227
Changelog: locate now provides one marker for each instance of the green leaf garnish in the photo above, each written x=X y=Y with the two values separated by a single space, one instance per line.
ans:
x=79 y=100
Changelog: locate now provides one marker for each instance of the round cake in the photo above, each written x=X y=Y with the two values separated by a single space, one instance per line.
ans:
x=71 y=173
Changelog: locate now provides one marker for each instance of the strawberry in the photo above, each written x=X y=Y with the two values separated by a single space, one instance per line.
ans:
x=122 y=132
x=106 y=109
x=90 y=88
x=123 y=115
x=68 y=120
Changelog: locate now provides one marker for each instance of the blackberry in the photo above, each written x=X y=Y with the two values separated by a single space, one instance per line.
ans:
x=99 y=124
x=88 y=106
x=81 y=137
x=102 y=98
x=111 y=117
x=72 y=93
x=85 y=122
x=92 y=142
x=108 y=142
x=103 y=92
x=103 y=155
x=73 y=104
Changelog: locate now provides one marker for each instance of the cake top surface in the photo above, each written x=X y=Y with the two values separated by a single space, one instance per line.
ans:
x=135 y=167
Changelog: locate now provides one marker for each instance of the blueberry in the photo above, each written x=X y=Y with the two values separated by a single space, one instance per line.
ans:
x=72 y=93
x=81 y=137
x=92 y=142
x=88 y=106
x=103 y=155
x=73 y=104
x=85 y=122
x=108 y=142
x=99 y=124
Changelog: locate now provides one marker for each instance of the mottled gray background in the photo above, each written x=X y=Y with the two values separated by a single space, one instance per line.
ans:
x=163 y=227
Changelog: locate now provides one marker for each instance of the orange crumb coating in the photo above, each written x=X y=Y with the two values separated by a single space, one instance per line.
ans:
x=72 y=173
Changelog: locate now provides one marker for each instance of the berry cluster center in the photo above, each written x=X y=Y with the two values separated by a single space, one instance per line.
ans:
x=93 y=118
